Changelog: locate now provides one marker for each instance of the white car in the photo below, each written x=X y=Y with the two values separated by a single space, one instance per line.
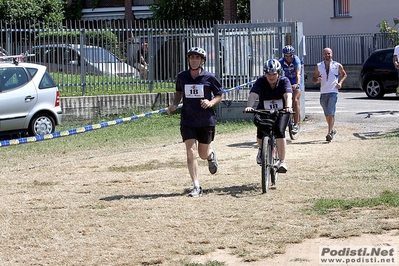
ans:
x=74 y=58
x=29 y=99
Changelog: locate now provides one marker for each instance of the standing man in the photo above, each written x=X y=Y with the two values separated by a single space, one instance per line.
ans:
x=142 y=59
x=276 y=89
x=291 y=65
x=396 y=63
x=200 y=91
x=331 y=75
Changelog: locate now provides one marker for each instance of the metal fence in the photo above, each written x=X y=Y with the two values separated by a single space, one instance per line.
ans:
x=87 y=57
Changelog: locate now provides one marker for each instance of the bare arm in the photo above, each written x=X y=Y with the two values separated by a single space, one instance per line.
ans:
x=395 y=61
x=343 y=74
x=316 y=76
x=251 y=101
x=205 y=103
x=176 y=102
x=288 y=100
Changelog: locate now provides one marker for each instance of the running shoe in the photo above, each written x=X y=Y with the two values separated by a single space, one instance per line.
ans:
x=295 y=129
x=195 y=192
x=329 y=137
x=213 y=162
x=281 y=167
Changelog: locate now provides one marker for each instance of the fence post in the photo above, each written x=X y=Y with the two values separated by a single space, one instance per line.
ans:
x=82 y=62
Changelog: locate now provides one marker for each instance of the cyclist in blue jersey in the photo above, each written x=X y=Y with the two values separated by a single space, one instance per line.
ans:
x=291 y=65
x=200 y=91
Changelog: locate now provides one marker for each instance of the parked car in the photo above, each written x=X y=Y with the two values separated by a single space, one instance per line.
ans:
x=378 y=75
x=29 y=99
x=67 y=58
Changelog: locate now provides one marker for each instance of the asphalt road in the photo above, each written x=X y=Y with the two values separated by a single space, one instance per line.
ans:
x=355 y=108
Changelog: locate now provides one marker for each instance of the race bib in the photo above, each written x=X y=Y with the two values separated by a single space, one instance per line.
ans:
x=273 y=104
x=194 y=90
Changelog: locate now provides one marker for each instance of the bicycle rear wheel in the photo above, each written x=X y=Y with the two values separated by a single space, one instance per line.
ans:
x=293 y=135
x=267 y=165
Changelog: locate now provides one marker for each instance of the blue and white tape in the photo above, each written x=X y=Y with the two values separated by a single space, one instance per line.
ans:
x=74 y=131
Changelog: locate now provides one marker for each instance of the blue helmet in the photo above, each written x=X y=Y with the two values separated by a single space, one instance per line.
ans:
x=288 y=49
x=272 y=66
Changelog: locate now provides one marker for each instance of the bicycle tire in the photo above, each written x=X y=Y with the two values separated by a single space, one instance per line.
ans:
x=266 y=171
x=293 y=136
x=274 y=172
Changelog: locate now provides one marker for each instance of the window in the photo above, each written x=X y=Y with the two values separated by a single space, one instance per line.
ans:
x=341 y=8
x=12 y=78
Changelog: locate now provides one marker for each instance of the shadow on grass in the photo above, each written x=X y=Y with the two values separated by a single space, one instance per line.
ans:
x=233 y=191
x=377 y=134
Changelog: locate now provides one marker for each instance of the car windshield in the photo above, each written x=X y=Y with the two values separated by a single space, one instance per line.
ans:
x=100 y=55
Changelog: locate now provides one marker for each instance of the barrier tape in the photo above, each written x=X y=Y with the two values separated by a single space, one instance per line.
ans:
x=74 y=131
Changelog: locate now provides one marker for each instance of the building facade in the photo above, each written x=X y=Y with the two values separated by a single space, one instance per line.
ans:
x=326 y=17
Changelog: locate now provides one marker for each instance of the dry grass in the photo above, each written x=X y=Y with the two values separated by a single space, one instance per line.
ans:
x=127 y=204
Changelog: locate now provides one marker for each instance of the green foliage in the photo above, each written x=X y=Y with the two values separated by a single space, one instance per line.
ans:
x=32 y=10
x=74 y=10
x=105 y=39
x=243 y=10
x=387 y=198
x=187 y=10
x=392 y=33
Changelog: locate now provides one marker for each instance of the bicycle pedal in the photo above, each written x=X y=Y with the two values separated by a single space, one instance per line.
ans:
x=281 y=171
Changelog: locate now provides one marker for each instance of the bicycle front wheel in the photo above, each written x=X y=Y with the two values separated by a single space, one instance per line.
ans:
x=293 y=135
x=275 y=159
x=267 y=164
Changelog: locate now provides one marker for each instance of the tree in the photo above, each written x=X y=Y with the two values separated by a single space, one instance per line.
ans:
x=195 y=10
x=43 y=10
x=391 y=33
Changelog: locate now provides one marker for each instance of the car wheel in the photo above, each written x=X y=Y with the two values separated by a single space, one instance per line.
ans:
x=374 y=89
x=41 y=124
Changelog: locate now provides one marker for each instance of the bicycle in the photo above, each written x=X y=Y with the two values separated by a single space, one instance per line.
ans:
x=293 y=135
x=265 y=120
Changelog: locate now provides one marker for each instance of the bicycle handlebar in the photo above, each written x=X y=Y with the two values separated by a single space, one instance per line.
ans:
x=270 y=112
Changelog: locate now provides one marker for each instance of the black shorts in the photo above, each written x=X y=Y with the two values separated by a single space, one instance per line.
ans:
x=203 y=134
x=279 y=127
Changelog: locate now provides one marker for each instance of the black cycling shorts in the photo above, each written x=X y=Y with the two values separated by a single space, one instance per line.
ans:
x=279 y=127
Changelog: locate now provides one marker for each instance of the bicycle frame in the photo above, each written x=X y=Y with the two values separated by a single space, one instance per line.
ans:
x=266 y=122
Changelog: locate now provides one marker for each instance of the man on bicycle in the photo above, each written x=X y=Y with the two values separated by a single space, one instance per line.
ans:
x=274 y=91
x=291 y=65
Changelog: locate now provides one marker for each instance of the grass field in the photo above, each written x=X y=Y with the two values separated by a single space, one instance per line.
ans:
x=118 y=195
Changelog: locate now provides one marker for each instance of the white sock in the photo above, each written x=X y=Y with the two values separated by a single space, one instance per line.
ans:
x=196 y=184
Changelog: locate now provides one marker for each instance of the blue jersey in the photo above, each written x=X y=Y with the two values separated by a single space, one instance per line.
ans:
x=194 y=90
x=290 y=70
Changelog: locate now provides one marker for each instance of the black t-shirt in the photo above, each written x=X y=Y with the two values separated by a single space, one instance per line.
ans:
x=265 y=92
x=202 y=87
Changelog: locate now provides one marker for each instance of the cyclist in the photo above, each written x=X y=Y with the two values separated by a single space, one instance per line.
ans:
x=198 y=119
x=291 y=65
x=272 y=89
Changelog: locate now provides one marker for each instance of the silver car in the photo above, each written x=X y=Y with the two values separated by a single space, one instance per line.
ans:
x=75 y=59
x=29 y=99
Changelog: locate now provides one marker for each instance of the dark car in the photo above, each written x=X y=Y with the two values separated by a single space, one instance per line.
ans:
x=378 y=75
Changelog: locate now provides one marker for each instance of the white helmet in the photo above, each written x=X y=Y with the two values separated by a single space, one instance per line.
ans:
x=197 y=50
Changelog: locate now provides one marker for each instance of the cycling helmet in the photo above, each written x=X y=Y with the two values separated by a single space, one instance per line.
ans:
x=288 y=49
x=272 y=66
x=197 y=50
